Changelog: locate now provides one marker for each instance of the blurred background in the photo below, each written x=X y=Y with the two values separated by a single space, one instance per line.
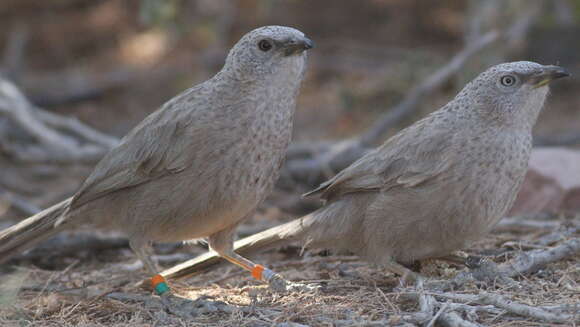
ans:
x=78 y=74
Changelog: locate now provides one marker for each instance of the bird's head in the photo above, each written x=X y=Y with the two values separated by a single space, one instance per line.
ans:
x=512 y=93
x=269 y=51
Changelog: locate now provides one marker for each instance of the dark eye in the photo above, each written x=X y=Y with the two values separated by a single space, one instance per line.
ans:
x=264 y=45
x=508 y=80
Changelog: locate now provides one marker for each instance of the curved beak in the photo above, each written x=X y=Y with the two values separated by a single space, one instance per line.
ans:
x=296 y=46
x=549 y=74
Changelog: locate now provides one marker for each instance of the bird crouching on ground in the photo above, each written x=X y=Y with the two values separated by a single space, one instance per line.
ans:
x=431 y=189
x=196 y=167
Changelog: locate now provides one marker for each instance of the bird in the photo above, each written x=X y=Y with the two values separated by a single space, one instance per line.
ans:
x=196 y=167
x=433 y=188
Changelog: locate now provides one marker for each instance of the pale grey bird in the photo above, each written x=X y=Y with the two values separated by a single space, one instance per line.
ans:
x=196 y=167
x=433 y=188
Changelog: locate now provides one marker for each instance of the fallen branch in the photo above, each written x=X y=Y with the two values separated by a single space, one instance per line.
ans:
x=510 y=224
x=19 y=203
x=74 y=126
x=410 y=103
x=81 y=143
x=508 y=305
x=18 y=37
x=532 y=261
x=66 y=244
x=524 y=263
x=566 y=139
x=427 y=305
x=452 y=319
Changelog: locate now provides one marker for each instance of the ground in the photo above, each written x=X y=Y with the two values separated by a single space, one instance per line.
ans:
x=102 y=288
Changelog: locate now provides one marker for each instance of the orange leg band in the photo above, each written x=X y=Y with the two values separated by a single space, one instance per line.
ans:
x=159 y=284
x=257 y=272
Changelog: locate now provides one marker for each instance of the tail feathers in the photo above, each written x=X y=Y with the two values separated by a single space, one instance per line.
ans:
x=270 y=238
x=31 y=231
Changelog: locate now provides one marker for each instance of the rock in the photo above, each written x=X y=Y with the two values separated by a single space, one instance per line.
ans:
x=552 y=182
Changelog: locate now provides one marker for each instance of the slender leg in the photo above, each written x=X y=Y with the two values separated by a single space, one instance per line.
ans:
x=179 y=306
x=144 y=251
x=407 y=276
x=222 y=242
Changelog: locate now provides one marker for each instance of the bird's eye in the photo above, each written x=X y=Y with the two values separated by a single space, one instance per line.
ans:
x=264 y=45
x=508 y=80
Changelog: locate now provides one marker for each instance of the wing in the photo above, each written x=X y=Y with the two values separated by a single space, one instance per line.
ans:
x=408 y=159
x=153 y=149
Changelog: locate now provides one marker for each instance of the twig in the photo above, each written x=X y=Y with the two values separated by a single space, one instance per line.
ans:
x=74 y=244
x=508 y=305
x=532 y=261
x=565 y=139
x=14 y=105
x=522 y=223
x=525 y=263
x=52 y=146
x=437 y=315
x=427 y=304
x=452 y=319
x=75 y=87
x=567 y=307
x=13 y=52
x=75 y=126
x=19 y=203
x=472 y=310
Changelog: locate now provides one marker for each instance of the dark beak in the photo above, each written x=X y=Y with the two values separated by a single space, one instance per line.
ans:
x=296 y=46
x=549 y=74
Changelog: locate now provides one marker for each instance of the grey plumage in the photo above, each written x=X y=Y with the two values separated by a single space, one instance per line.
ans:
x=433 y=188
x=200 y=164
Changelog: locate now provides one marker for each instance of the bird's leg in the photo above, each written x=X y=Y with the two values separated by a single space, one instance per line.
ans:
x=463 y=259
x=222 y=242
x=179 y=306
x=407 y=275
x=144 y=251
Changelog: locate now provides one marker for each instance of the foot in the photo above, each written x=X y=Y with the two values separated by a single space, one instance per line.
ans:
x=410 y=278
x=278 y=284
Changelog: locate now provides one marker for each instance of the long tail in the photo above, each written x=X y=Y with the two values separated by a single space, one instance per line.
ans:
x=31 y=231
x=270 y=238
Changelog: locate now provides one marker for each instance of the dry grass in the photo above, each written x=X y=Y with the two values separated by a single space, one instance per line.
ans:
x=352 y=292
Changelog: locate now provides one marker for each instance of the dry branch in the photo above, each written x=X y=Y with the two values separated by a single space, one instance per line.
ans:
x=508 y=305
x=523 y=223
x=19 y=203
x=63 y=245
x=524 y=263
x=76 y=142
x=564 y=139
x=18 y=37
x=532 y=261
x=427 y=305
x=452 y=319
x=410 y=103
